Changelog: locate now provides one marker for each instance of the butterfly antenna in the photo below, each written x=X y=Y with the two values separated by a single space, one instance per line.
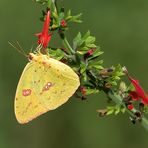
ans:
x=19 y=48
x=31 y=49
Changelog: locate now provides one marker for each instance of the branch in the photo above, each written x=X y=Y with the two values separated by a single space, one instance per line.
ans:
x=84 y=56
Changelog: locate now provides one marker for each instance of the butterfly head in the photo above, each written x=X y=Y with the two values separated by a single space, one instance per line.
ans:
x=37 y=57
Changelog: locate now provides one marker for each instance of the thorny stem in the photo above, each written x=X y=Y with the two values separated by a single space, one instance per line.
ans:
x=118 y=100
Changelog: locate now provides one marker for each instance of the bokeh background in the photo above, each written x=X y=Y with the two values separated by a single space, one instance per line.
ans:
x=121 y=29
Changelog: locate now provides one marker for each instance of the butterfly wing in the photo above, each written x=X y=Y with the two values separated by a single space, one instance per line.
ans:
x=43 y=86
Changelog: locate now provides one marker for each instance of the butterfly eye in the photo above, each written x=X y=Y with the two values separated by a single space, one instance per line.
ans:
x=30 y=56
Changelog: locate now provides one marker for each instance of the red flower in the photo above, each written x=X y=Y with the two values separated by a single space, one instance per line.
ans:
x=134 y=95
x=139 y=92
x=44 y=36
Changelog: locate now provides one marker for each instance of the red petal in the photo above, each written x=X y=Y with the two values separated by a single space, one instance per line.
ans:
x=134 y=95
x=44 y=36
x=38 y=34
x=139 y=90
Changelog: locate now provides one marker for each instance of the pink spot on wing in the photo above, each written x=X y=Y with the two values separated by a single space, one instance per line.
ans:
x=26 y=92
x=47 y=86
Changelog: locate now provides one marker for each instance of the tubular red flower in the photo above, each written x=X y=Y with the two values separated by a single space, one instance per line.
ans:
x=139 y=92
x=134 y=95
x=44 y=36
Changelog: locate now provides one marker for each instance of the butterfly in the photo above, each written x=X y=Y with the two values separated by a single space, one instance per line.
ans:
x=44 y=85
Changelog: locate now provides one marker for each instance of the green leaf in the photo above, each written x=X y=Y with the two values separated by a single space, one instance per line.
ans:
x=122 y=86
x=77 y=41
x=123 y=109
x=61 y=16
x=110 y=112
x=76 y=18
x=68 y=13
x=117 y=110
x=90 y=40
x=91 y=45
x=130 y=87
x=115 y=76
x=95 y=64
x=49 y=2
x=87 y=34
x=57 y=54
x=70 y=18
x=91 y=91
x=55 y=16
x=83 y=67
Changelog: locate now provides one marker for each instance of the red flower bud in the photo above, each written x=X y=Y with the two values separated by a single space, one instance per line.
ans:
x=130 y=106
x=63 y=23
x=83 y=90
x=89 y=53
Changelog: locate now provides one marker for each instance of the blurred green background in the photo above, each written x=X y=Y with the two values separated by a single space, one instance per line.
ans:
x=121 y=29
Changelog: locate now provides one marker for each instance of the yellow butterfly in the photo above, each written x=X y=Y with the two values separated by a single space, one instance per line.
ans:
x=45 y=84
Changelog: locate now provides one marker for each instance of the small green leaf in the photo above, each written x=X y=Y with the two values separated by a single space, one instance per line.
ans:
x=83 y=67
x=90 y=39
x=110 y=112
x=55 y=15
x=123 y=109
x=87 y=34
x=57 y=54
x=76 y=18
x=77 y=41
x=95 y=64
x=49 y=2
x=91 y=45
x=91 y=91
x=117 y=110
x=61 y=16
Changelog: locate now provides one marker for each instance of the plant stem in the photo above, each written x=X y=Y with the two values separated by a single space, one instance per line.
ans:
x=64 y=39
x=118 y=100
x=67 y=45
x=144 y=123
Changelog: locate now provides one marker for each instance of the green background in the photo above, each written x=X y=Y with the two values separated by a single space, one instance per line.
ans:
x=121 y=29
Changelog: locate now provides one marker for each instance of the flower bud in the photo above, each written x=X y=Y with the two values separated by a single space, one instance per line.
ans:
x=63 y=23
